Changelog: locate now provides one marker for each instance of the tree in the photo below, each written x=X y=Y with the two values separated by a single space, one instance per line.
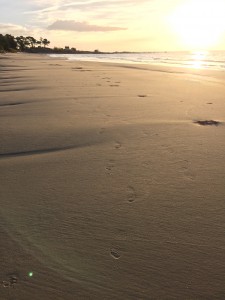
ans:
x=38 y=43
x=7 y=42
x=41 y=41
x=45 y=42
x=32 y=41
x=2 y=42
x=22 y=42
x=10 y=43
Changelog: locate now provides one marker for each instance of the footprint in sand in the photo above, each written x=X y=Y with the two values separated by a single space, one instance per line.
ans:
x=142 y=96
x=131 y=194
x=145 y=133
x=12 y=280
x=185 y=167
x=115 y=254
x=110 y=166
x=117 y=145
x=102 y=130
x=167 y=149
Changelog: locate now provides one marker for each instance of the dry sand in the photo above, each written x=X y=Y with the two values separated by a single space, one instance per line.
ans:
x=111 y=188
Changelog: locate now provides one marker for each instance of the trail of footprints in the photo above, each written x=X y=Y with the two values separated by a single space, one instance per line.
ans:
x=131 y=194
x=131 y=197
x=108 y=80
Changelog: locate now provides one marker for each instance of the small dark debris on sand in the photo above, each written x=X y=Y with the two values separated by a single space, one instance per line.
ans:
x=208 y=122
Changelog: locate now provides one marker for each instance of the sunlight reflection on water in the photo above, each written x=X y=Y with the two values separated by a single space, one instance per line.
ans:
x=198 y=59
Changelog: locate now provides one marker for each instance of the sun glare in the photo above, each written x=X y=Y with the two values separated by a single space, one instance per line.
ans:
x=197 y=59
x=199 y=24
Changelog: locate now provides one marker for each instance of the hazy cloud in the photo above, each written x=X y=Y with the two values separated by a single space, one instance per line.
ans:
x=89 y=5
x=8 y=28
x=70 y=25
x=102 y=4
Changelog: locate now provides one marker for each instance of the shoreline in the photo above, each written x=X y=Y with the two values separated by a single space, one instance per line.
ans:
x=156 y=67
x=190 y=60
x=112 y=180
x=217 y=73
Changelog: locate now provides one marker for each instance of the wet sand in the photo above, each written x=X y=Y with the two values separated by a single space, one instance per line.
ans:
x=112 y=181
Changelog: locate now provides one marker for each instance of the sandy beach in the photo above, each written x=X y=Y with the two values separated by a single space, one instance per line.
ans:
x=112 y=183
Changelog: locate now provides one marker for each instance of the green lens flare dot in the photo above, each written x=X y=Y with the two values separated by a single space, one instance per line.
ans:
x=30 y=274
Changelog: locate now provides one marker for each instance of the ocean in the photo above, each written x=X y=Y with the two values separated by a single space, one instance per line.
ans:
x=204 y=60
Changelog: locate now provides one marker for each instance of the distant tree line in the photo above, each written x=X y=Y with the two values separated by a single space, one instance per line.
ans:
x=9 y=43
x=20 y=43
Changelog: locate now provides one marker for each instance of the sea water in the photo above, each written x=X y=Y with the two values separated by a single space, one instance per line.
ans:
x=200 y=59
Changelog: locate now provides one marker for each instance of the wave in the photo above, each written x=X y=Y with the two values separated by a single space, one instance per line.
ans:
x=207 y=60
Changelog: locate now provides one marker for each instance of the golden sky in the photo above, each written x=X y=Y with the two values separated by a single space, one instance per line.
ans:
x=119 y=25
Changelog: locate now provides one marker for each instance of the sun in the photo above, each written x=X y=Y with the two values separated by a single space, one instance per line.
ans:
x=199 y=23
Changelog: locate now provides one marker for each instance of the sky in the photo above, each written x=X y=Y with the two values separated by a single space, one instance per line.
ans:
x=118 y=25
